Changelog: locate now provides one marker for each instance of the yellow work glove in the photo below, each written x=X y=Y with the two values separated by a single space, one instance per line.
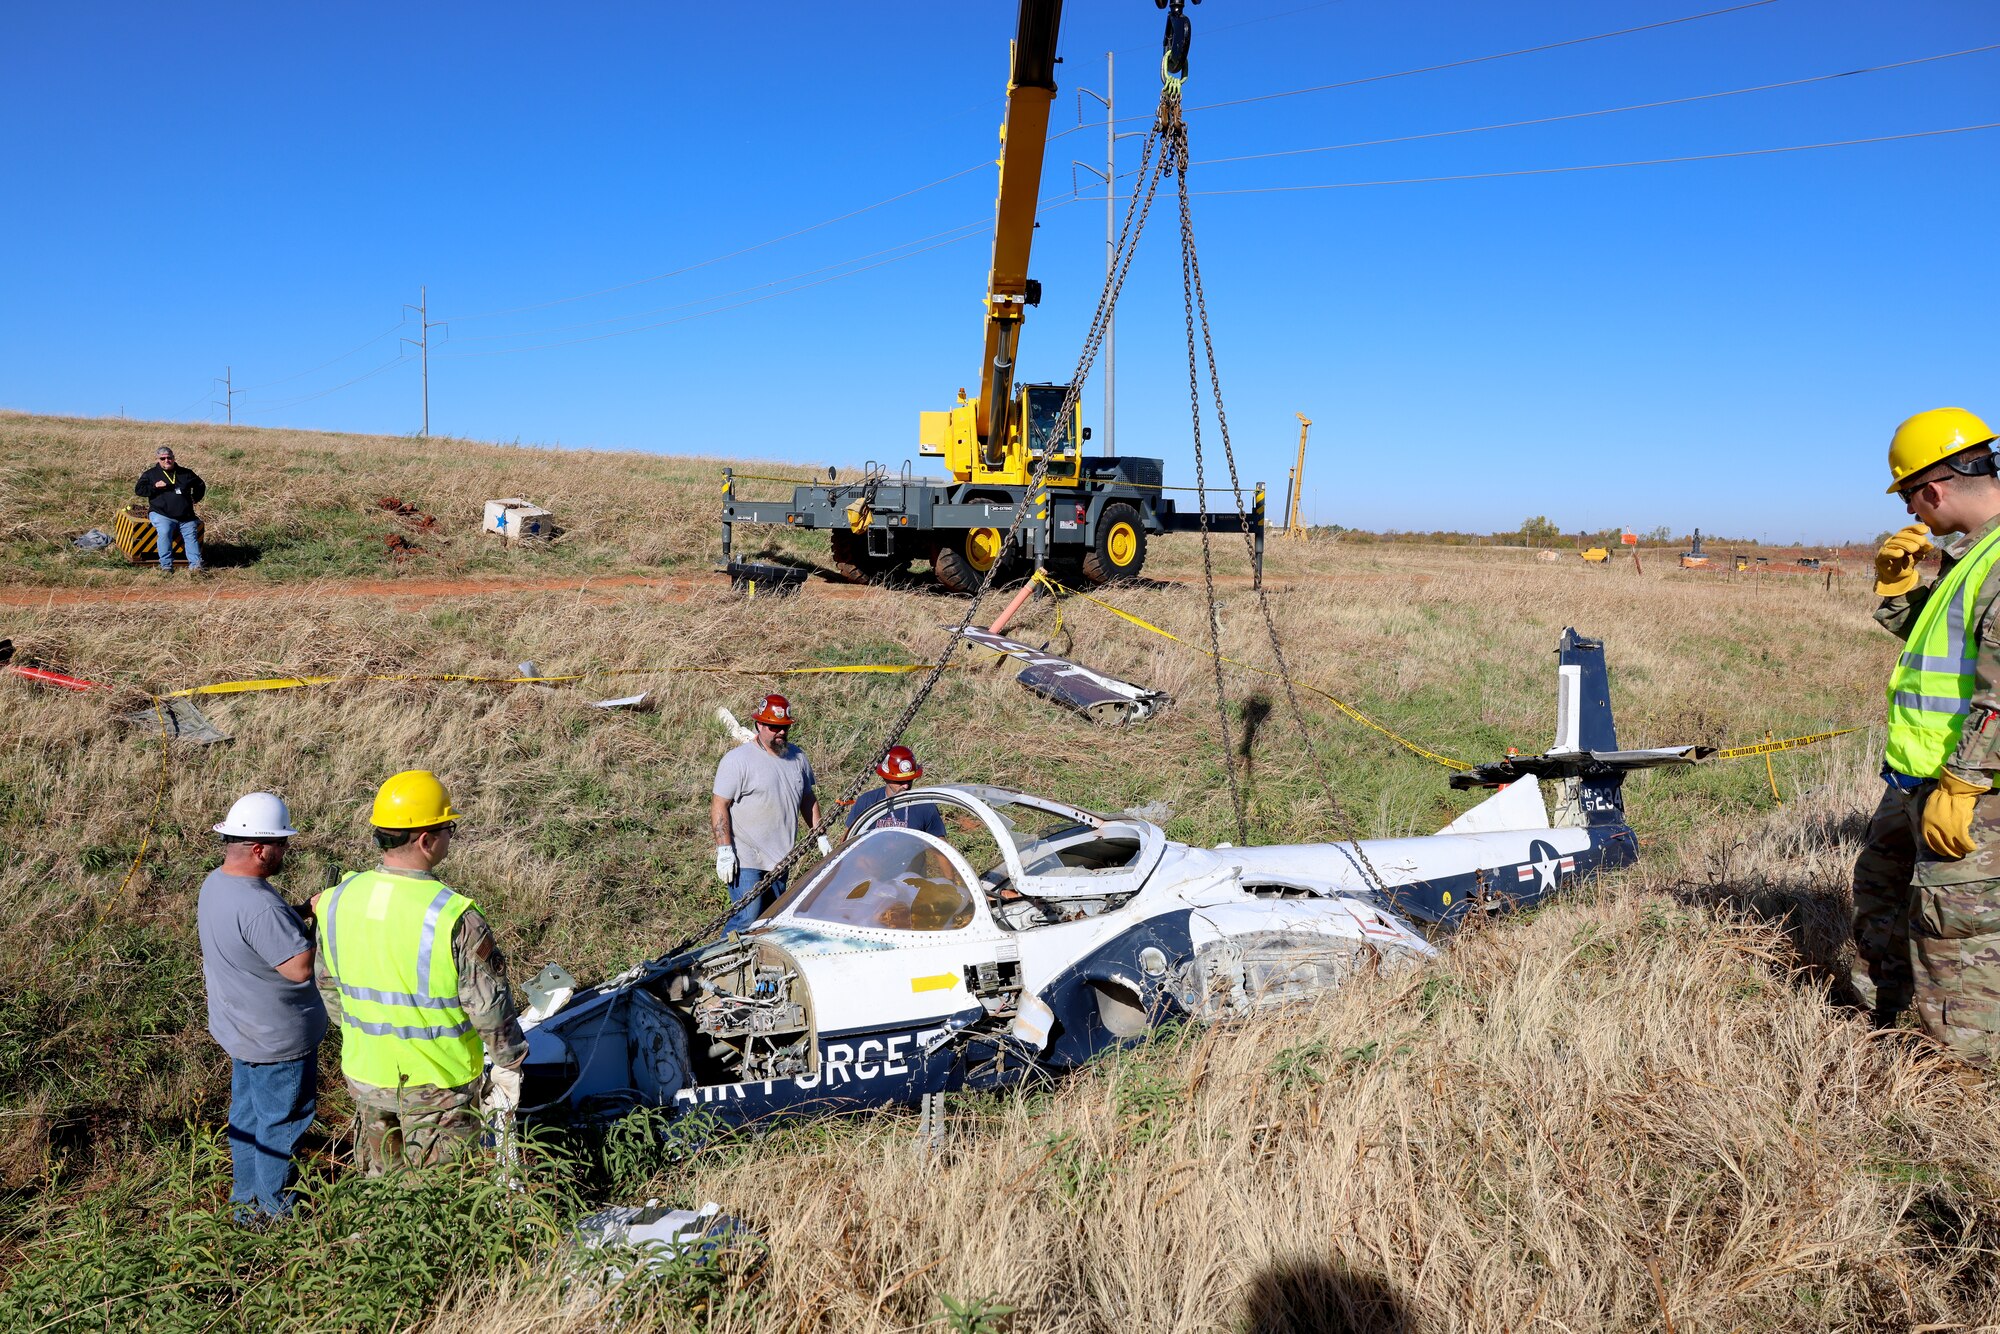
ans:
x=1948 y=816
x=1896 y=562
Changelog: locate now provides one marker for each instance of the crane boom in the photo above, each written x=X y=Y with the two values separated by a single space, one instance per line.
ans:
x=1031 y=87
x=1019 y=491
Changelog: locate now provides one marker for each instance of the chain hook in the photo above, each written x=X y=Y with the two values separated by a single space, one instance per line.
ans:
x=1174 y=46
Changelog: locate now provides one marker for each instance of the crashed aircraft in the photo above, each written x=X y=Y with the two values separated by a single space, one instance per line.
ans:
x=1038 y=934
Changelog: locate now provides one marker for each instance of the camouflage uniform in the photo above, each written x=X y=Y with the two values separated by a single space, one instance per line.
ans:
x=421 y=1124
x=1927 y=928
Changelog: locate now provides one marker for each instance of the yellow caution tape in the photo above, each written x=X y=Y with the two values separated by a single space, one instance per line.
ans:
x=1773 y=747
x=1733 y=753
x=1337 y=703
x=299 y=682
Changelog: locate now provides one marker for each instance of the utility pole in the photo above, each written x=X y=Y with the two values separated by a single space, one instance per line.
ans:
x=1110 y=176
x=228 y=400
x=423 y=344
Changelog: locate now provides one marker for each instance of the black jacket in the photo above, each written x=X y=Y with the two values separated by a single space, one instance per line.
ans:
x=177 y=499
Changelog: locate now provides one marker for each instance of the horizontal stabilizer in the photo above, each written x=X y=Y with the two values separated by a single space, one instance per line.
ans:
x=1577 y=764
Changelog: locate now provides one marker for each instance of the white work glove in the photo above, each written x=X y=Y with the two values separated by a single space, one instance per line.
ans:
x=503 y=1088
x=725 y=865
x=825 y=845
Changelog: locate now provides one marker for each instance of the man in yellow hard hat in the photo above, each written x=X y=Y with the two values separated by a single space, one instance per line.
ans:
x=411 y=974
x=1927 y=886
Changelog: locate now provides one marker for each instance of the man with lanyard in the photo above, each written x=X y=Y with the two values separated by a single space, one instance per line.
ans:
x=171 y=492
x=899 y=770
x=1927 y=885
x=763 y=788
x=409 y=970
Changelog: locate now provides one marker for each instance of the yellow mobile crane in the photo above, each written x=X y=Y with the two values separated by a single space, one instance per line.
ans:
x=1094 y=515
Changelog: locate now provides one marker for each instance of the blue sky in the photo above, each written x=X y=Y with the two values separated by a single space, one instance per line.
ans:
x=1724 y=343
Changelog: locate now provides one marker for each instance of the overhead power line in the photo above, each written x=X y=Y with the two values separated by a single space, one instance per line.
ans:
x=307 y=398
x=745 y=250
x=251 y=389
x=1603 y=166
x=985 y=164
x=1602 y=111
x=1481 y=60
x=981 y=224
x=978 y=230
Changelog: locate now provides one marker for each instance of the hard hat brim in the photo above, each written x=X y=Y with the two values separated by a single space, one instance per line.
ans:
x=224 y=828
x=450 y=817
x=1904 y=480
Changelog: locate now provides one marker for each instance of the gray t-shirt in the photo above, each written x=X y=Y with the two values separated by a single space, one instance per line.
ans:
x=764 y=792
x=246 y=932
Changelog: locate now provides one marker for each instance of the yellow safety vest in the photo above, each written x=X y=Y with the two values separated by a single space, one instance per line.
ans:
x=386 y=940
x=1930 y=692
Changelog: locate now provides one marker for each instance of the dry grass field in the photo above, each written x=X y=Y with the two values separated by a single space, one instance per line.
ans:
x=1640 y=1108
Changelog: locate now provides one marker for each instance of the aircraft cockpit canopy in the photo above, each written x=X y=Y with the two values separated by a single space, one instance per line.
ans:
x=895 y=879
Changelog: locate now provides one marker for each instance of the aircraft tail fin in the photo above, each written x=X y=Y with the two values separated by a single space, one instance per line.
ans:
x=1585 y=758
x=1583 y=697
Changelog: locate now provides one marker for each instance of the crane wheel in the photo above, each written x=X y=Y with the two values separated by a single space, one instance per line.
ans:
x=953 y=570
x=962 y=559
x=853 y=563
x=1119 y=552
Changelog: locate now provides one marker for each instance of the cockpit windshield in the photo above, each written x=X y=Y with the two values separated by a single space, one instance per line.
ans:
x=893 y=879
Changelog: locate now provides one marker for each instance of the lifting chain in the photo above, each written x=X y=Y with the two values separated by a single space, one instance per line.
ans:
x=1174 y=157
x=1136 y=211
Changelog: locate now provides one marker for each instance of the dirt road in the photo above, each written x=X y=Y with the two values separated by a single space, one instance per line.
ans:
x=149 y=589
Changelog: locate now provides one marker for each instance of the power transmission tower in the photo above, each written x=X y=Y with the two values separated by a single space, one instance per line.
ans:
x=1109 y=175
x=228 y=400
x=423 y=345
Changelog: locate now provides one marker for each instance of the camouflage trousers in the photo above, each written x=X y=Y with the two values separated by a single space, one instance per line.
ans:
x=1927 y=928
x=414 y=1126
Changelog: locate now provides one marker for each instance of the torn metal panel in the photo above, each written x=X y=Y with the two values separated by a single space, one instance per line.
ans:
x=178 y=720
x=1100 y=698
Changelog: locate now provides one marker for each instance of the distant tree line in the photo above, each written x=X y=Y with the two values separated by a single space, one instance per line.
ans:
x=1538 y=531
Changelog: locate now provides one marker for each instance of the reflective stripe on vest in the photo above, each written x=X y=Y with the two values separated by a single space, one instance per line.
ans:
x=1930 y=691
x=387 y=944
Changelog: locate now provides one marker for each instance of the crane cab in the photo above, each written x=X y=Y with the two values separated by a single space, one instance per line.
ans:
x=952 y=436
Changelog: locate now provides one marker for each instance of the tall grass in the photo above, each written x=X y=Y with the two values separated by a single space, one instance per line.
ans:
x=1634 y=1107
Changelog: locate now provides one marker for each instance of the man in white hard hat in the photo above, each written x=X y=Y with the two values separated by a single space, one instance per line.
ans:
x=256 y=957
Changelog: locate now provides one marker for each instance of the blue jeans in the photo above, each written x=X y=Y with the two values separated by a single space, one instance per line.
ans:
x=271 y=1107
x=747 y=911
x=190 y=543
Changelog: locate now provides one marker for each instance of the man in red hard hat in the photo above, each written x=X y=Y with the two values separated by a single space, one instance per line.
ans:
x=762 y=788
x=899 y=771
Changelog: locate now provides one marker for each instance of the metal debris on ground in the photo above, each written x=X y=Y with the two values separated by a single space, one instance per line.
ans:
x=94 y=540
x=656 y=1236
x=627 y=702
x=1100 y=698
x=178 y=720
